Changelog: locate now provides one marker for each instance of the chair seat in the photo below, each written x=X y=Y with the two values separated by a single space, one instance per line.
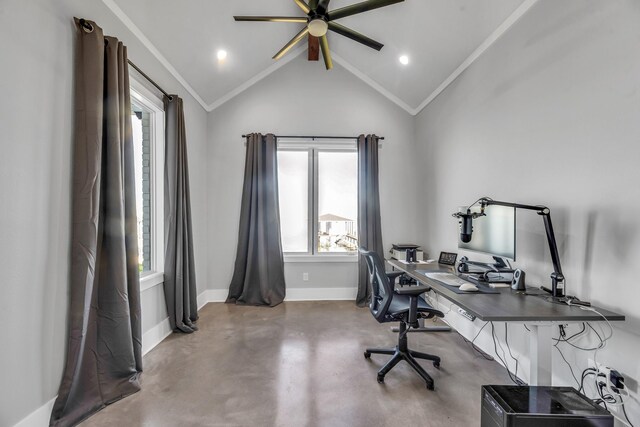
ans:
x=400 y=306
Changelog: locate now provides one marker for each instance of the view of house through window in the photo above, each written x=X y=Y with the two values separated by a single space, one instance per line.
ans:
x=337 y=201
x=318 y=197
x=141 y=126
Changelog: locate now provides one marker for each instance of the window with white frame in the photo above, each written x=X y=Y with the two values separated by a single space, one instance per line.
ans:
x=318 y=195
x=147 y=120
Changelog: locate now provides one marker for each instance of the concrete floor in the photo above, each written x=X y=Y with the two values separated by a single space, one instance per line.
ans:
x=300 y=364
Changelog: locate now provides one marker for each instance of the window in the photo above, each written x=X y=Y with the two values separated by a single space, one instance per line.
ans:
x=318 y=195
x=147 y=120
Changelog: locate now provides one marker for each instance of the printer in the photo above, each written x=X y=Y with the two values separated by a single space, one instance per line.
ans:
x=406 y=252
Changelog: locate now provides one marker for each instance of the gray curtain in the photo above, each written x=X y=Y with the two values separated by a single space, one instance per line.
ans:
x=104 y=355
x=258 y=277
x=369 y=229
x=179 y=270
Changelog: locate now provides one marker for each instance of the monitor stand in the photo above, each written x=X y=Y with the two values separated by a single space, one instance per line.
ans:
x=500 y=265
x=484 y=270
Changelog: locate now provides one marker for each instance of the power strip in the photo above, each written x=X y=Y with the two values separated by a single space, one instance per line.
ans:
x=466 y=314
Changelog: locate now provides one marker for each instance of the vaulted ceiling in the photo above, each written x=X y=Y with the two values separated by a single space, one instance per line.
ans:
x=438 y=36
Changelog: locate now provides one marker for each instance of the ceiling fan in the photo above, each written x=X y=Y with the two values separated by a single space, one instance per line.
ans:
x=319 y=20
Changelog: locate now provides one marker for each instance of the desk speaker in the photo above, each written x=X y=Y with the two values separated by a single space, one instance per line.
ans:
x=518 y=280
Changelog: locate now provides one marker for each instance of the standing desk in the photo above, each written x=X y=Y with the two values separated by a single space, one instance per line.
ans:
x=508 y=305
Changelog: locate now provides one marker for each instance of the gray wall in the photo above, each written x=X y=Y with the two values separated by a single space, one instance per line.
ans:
x=550 y=114
x=302 y=98
x=36 y=122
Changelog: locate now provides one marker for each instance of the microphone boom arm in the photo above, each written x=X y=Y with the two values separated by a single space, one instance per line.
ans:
x=556 y=277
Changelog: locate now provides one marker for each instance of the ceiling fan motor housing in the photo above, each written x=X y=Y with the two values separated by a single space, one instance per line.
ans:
x=318 y=26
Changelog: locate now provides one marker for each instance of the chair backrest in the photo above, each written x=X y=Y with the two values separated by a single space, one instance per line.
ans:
x=381 y=286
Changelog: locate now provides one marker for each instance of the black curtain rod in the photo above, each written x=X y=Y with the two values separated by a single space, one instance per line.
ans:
x=89 y=28
x=318 y=137
x=150 y=80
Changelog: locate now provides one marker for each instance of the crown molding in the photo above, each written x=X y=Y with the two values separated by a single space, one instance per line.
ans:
x=154 y=51
x=503 y=28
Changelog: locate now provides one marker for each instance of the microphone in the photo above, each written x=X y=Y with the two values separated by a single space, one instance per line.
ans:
x=466 y=223
x=466 y=226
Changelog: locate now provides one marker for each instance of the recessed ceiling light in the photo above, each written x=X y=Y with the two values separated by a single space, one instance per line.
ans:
x=222 y=54
x=404 y=59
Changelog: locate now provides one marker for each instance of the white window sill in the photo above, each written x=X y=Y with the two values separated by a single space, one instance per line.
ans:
x=320 y=258
x=151 y=279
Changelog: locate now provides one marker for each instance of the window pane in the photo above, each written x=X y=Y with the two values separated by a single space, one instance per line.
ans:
x=141 y=125
x=293 y=187
x=337 y=201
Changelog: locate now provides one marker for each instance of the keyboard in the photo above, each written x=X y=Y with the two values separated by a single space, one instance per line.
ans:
x=447 y=278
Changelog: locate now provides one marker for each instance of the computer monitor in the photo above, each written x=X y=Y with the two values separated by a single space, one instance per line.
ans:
x=493 y=234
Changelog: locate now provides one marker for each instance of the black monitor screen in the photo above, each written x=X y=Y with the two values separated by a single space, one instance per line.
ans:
x=493 y=234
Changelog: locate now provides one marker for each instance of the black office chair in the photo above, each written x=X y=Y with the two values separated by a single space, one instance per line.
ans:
x=404 y=306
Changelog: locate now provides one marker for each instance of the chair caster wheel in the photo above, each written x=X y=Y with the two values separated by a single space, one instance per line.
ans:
x=430 y=387
x=436 y=365
x=381 y=379
x=367 y=355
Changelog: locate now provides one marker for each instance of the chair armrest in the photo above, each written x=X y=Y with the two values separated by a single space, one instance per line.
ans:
x=412 y=291
x=393 y=275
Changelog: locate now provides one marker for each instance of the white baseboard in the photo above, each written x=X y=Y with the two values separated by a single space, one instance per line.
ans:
x=293 y=294
x=38 y=418
x=155 y=335
x=321 y=294
x=212 y=295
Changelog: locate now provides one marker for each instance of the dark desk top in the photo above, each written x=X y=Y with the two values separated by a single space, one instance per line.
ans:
x=508 y=305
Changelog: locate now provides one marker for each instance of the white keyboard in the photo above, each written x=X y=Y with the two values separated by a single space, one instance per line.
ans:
x=447 y=278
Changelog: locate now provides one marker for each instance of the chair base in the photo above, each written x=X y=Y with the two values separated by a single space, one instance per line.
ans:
x=410 y=357
x=402 y=352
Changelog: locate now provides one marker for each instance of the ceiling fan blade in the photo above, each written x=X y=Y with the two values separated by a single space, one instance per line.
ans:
x=322 y=6
x=313 y=4
x=359 y=8
x=271 y=19
x=305 y=7
x=291 y=43
x=354 y=35
x=326 y=54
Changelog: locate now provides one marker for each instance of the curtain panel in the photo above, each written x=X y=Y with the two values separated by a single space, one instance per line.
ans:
x=179 y=266
x=104 y=354
x=369 y=227
x=258 y=277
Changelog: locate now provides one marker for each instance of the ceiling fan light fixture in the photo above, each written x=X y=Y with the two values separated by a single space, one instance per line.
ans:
x=318 y=27
x=404 y=59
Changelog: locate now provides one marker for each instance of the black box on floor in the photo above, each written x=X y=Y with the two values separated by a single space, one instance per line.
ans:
x=534 y=406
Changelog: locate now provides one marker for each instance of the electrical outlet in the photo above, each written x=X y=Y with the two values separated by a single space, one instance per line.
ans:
x=305 y=277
